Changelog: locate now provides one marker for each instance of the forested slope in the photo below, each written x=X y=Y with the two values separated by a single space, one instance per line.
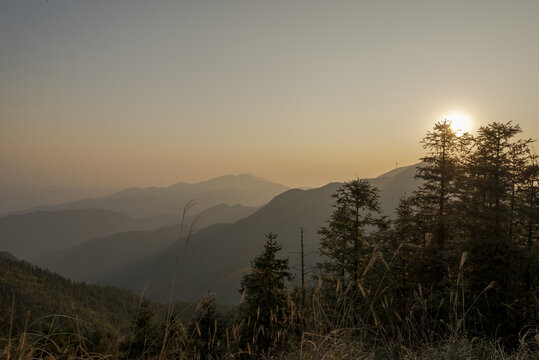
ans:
x=27 y=289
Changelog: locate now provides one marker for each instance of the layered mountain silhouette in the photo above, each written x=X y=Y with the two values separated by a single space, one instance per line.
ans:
x=215 y=258
x=244 y=189
x=45 y=229
x=29 y=236
x=15 y=198
x=101 y=256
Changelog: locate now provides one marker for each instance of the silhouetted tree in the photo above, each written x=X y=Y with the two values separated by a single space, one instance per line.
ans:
x=405 y=246
x=528 y=233
x=344 y=243
x=265 y=309
x=144 y=339
x=490 y=204
x=435 y=196
x=206 y=329
x=346 y=247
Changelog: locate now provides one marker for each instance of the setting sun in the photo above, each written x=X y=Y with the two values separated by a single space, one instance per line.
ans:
x=460 y=123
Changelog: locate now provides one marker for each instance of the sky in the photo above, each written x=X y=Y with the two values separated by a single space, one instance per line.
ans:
x=149 y=93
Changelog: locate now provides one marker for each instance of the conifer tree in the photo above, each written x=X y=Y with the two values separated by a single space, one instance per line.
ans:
x=493 y=211
x=346 y=247
x=345 y=243
x=405 y=244
x=434 y=199
x=144 y=340
x=528 y=234
x=439 y=172
x=206 y=328
x=265 y=309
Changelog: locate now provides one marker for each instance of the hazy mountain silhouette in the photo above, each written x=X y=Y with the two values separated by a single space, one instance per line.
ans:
x=215 y=256
x=245 y=189
x=31 y=235
x=15 y=198
x=101 y=256
x=219 y=214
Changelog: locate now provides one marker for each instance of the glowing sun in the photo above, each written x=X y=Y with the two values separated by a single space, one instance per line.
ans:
x=460 y=123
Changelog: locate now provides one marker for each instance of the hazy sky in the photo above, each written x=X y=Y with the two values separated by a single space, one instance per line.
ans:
x=127 y=92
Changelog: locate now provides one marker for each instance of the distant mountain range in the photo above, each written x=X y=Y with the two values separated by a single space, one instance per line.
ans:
x=15 y=198
x=35 y=232
x=32 y=235
x=102 y=256
x=245 y=189
x=216 y=256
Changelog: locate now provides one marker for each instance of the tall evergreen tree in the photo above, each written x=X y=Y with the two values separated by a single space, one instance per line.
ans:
x=439 y=172
x=490 y=204
x=265 y=309
x=144 y=340
x=345 y=244
x=405 y=246
x=434 y=198
x=528 y=233
x=206 y=329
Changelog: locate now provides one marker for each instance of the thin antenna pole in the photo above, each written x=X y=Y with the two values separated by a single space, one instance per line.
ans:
x=302 y=275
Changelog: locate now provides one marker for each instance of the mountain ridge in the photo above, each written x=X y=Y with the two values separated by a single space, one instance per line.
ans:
x=216 y=255
x=30 y=235
x=243 y=189
x=77 y=261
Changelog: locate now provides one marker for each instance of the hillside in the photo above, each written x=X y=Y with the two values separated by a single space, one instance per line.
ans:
x=43 y=293
x=96 y=258
x=245 y=189
x=216 y=255
x=220 y=214
x=32 y=235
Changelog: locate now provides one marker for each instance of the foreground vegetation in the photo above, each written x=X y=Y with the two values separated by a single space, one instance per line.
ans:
x=453 y=276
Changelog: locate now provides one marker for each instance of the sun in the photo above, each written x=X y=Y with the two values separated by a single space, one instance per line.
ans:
x=460 y=123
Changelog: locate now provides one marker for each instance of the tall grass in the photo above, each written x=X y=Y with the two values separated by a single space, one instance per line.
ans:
x=340 y=321
x=172 y=298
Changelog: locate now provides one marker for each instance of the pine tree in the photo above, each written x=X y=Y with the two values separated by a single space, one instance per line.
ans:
x=405 y=245
x=206 y=328
x=435 y=197
x=528 y=234
x=335 y=246
x=490 y=203
x=265 y=309
x=346 y=248
x=345 y=244
x=144 y=340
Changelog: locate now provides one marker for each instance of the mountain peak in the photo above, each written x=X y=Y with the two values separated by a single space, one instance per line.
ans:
x=239 y=177
x=398 y=171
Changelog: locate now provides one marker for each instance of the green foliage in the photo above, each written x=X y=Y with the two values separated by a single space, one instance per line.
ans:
x=146 y=339
x=206 y=329
x=434 y=200
x=144 y=335
x=27 y=288
x=499 y=226
x=405 y=245
x=453 y=276
x=265 y=309
x=477 y=203
x=345 y=245
x=346 y=248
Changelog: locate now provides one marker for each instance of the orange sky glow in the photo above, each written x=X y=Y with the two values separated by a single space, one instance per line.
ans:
x=139 y=93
